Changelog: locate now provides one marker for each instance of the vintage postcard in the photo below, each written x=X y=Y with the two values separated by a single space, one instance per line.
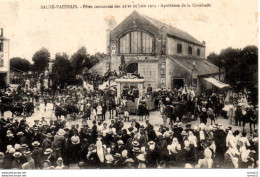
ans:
x=142 y=84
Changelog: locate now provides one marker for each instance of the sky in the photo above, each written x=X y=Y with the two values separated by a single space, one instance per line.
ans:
x=231 y=23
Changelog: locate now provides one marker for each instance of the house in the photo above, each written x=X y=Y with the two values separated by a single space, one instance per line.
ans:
x=4 y=58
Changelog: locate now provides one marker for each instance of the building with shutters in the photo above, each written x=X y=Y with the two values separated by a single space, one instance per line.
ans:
x=4 y=58
x=165 y=56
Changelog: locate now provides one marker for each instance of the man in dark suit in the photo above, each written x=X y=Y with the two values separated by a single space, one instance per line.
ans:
x=37 y=155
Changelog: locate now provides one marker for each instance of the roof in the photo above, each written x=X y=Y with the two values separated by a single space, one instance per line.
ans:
x=170 y=30
x=203 y=66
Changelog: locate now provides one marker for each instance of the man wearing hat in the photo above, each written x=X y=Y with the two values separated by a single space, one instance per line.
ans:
x=47 y=142
x=37 y=154
x=48 y=155
x=37 y=136
x=16 y=164
x=30 y=161
x=129 y=163
x=21 y=137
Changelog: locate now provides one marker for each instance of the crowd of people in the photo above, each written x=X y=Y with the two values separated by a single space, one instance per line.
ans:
x=100 y=142
x=55 y=145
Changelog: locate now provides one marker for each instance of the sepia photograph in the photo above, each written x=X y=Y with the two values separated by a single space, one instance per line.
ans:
x=128 y=84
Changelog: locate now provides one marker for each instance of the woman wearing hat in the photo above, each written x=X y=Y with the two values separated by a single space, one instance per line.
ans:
x=60 y=164
x=46 y=165
x=152 y=155
x=207 y=162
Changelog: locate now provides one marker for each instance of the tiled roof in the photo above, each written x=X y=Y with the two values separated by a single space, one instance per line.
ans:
x=170 y=30
x=203 y=66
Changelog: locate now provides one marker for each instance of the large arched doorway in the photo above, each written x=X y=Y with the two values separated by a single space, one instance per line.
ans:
x=132 y=68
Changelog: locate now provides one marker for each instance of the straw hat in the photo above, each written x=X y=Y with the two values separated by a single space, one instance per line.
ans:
x=129 y=160
x=36 y=143
x=135 y=149
x=17 y=154
x=28 y=153
x=24 y=146
x=48 y=135
x=135 y=143
x=117 y=155
x=151 y=143
x=61 y=132
x=20 y=133
x=48 y=151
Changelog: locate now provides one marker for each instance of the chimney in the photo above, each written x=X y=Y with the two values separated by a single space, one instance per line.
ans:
x=2 y=32
x=108 y=41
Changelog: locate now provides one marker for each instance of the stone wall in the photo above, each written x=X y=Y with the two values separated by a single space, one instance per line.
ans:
x=174 y=71
x=171 y=48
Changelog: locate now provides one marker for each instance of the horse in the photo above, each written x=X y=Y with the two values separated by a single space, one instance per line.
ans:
x=72 y=110
x=60 y=110
x=179 y=111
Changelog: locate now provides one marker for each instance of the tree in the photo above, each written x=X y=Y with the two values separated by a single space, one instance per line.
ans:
x=78 y=58
x=20 y=64
x=240 y=67
x=41 y=60
x=82 y=59
x=62 y=70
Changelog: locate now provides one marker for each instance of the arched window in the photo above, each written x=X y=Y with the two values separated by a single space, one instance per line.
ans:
x=198 y=52
x=136 y=42
x=190 y=50
x=179 y=48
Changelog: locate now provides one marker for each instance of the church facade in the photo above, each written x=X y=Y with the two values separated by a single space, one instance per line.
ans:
x=165 y=56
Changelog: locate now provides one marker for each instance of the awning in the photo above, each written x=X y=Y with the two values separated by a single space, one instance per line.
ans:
x=216 y=82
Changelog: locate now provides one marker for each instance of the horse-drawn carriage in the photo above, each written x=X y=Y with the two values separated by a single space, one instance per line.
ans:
x=66 y=109
x=17 y=108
